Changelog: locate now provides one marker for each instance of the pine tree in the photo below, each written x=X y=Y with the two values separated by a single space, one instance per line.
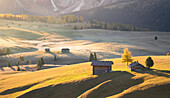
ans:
x=42 y=61
x=18 y=63
x=95 y=56
x=18 y=69
x=55 y=58
x=91 y=57
x=127 y=57
x=9 y=64
x=149 y=62
x=27 y=62
x=39 y=65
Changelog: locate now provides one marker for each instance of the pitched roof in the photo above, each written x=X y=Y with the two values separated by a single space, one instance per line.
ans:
x=65 y=49
x=101 y=63
x=135 y=64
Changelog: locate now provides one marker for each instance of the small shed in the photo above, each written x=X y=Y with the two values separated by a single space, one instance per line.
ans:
x=136 y=66
x=100 y=67
x=65 y=50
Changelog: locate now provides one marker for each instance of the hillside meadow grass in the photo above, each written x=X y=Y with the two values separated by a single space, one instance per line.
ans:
x=77 y=81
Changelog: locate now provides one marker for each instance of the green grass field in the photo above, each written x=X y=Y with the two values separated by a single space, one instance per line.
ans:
x=77 y=81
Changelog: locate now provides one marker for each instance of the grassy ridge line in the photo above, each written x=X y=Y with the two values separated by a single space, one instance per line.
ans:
x=76 y=80
x=26 y=30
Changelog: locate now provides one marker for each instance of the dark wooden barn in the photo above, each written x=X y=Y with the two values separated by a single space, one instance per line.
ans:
x=136 y=66
x=65 y=50
x=100 y=67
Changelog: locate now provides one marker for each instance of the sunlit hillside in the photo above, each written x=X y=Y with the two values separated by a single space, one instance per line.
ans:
x=77 y=81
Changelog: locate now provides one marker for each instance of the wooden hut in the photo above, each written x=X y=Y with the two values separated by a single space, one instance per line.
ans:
x=65 y=50
x=136 y=66
x=100 y=67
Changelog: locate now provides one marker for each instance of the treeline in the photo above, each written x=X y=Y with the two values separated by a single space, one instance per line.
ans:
x=44 y=19
x=4 y=51
x=69 y=19
x=95 y=24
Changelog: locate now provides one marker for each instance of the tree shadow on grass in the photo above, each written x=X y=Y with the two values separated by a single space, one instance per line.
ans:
x=12 y=68
x=52 y=53
x=2 y=69
x=13 y=90
x=119 y=81
x=69 y=54
x=157 y=72
x=160 y=91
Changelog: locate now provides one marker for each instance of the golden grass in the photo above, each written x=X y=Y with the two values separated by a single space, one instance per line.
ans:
x=77 y=81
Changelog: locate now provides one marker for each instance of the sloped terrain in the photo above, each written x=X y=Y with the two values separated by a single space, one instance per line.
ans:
x=76 y=81
x=151 y=14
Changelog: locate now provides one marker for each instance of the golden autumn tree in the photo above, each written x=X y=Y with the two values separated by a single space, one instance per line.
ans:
x=127 y=56
x=81 y=19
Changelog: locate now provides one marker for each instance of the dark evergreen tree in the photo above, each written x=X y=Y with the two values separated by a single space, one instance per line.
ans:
x=55 y=58
x=149 y=62
x=18 y=69
x=42 y=61
x=91 y=57
x=95 y=56
x=9 y=64
x=39 y=65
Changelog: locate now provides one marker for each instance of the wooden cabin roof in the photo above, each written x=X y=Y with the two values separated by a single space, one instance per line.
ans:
x=65 y=49
x=101 y=63
x=136 y=64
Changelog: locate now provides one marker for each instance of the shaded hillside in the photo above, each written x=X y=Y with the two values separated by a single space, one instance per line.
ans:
x=152 y=14
x=77 y=81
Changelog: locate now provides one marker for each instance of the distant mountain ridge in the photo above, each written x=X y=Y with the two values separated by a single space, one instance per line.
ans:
x=151 y=14
x=50 y=7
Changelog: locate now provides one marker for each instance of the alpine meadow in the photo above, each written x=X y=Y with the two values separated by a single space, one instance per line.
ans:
x=84 y=49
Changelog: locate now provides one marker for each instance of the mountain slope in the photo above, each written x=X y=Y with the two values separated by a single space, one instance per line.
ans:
x=152 y=14
x=76 y=80
x=51 y=7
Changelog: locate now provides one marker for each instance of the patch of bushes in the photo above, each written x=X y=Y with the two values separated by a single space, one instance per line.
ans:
x=5 y=51
x=40 y=63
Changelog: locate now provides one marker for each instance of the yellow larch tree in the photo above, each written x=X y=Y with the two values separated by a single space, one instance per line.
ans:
x=127 y=56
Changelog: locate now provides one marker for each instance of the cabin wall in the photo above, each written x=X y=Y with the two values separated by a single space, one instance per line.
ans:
x=65 y=51
x=100 y=69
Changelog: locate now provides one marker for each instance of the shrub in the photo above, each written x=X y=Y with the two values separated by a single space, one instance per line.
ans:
x=149 y=62
x=4 y=51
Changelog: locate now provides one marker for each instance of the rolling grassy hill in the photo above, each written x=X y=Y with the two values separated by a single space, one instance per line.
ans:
x=77 y=81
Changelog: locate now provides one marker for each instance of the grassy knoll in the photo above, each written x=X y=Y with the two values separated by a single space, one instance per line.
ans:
x=76 y=81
